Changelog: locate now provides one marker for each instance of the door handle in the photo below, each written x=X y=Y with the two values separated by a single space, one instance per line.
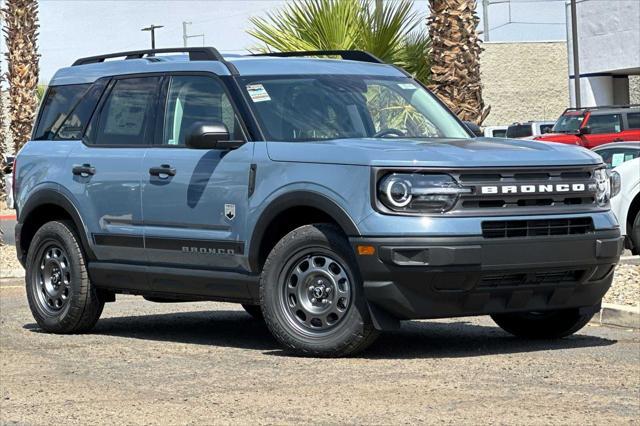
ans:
x=84 y=170
x=164 y=169
x=618 y=140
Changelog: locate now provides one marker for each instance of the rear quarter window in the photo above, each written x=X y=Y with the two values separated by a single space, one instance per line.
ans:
x=56 y=107
x=634 y=120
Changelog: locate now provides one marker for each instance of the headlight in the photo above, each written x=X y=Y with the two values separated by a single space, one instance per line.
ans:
x=615 y=183
x=419 y=193
x=603 y=187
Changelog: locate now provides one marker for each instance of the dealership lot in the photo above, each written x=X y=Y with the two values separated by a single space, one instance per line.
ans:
x=209 y=362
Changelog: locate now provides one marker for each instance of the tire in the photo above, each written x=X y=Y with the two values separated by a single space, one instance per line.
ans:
x=543 y=325
x=328 y=315
x=254 y=311
x=635 y=235
x=60 y=295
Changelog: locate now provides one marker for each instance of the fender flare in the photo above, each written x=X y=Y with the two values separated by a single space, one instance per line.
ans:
x=51 y=195
x=297 y=199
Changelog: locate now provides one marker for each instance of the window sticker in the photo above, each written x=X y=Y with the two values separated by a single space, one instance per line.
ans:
x=617 y=159
x=407 y=86
x=258 y=93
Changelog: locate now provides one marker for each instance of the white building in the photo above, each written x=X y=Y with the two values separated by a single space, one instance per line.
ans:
x=609 y=50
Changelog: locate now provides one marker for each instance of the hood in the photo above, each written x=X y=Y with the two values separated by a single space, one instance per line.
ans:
x=478 y=152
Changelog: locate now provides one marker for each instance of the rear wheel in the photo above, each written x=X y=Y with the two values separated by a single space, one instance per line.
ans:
x=311 y=294
x=60 y=295
x=543 y=325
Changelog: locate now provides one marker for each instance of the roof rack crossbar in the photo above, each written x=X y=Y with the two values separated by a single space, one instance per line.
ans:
x=195 y=54
x=602 y=107
x=350 y=55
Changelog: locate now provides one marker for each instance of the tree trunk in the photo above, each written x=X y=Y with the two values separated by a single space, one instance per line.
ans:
x=455 y=66
x=21 y=34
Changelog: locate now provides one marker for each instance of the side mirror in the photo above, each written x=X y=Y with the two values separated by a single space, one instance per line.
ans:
x=210 y=136
x=474 y=128
x=586 y=130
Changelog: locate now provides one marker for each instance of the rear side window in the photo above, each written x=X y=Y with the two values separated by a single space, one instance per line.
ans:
x=75 y=123
x=127 y=116
x=57 y=105
x=519 y=131
x=634 y=120
x=605 y=123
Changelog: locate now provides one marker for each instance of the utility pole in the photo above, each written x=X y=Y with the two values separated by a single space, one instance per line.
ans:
x=485 y=18
x=152 y=29
x=186 y=36
x=576 y=56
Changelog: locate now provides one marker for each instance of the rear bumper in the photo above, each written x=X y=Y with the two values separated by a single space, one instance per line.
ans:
x=412 y=278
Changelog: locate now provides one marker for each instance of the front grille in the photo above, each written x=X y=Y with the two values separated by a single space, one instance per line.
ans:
x=536 y=228
x=478 y=203
x=492 y=281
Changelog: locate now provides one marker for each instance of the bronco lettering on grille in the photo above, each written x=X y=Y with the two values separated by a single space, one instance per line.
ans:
x=535 y=189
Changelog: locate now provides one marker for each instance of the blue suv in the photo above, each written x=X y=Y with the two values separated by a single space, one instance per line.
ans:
x=332 y=197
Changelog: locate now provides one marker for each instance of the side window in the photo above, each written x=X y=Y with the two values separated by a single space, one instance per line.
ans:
x=75 y=123
x=57 y=105
x=127 y=116
x=193 y=99
x=605 y=123
x=634 y=120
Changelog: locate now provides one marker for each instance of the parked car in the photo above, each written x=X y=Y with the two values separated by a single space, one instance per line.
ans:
x=282 y=184
x=7 y=170
x=626 y=205
x=528 y=130
x=616 y=153
x=595 y=126
x=495 y=131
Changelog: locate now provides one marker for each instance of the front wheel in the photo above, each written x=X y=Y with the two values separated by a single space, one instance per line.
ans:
x=311 y=294
x=543 y=325
x=60 y=294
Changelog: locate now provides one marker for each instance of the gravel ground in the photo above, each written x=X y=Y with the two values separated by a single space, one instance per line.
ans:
x=626 y=286
x=209 y=363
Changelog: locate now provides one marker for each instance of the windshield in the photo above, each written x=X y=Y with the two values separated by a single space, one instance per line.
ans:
x=323 y=107
x=568 y=123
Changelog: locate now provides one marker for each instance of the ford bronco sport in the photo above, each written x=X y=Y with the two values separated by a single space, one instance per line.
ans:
x=333 y=197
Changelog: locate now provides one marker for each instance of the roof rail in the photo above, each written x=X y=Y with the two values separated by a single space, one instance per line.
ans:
x=602 y=107
x=350 y=55
x=195 y=54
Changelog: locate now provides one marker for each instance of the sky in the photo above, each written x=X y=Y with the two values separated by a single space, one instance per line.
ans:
x=70 y=29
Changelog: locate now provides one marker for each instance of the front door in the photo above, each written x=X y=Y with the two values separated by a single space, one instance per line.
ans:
x=604 y=128
x=107 y=169
x=194 y=201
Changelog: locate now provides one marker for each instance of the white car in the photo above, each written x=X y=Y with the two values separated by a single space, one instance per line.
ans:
x=495 y=131
x=626 y=205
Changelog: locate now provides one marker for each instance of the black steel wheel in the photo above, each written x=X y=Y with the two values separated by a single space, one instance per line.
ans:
x=60 y=294
x=312 y=296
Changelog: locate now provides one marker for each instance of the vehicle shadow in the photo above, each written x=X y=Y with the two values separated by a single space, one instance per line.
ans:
x=415 y=339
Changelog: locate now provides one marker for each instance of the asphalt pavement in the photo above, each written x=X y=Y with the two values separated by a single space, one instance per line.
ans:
x=204 y=363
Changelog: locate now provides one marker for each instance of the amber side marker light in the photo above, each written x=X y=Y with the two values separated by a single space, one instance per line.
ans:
x=366 y=250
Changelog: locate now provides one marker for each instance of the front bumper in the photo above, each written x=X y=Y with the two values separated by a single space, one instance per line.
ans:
x=410 y=278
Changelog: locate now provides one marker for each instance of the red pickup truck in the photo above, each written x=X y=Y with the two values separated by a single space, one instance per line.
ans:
x=590 y=127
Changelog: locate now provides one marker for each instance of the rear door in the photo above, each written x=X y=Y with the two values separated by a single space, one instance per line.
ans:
x=107 y=168
x=631 y=130
x=195 y=201
x=604 y=128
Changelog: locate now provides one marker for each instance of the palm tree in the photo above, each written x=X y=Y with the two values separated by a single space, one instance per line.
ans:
x=21 y=34
x=390 y=31
x=455 y=59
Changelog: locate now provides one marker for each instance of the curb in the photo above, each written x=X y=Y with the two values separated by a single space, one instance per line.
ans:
x=618 y=315
x=630 y=260
x=12 y=273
